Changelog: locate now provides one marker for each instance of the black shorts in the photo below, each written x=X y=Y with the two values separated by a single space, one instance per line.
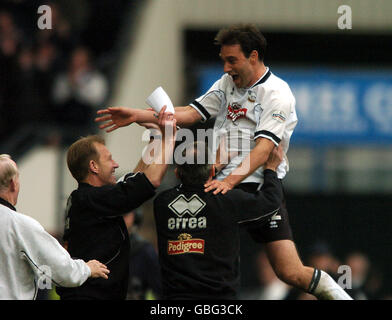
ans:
x=274 y=228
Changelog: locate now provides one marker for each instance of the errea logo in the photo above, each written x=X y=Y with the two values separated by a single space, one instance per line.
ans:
x=182 y=206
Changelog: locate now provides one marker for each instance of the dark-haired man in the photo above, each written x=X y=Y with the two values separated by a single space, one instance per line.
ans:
x=198 y=232
x=257 y=110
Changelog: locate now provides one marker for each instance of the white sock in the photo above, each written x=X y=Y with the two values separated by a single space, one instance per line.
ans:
x=325 y=288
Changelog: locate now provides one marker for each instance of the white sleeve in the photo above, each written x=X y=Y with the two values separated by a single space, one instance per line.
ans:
x=46 y=256
x=209 y=104
x=272 y=118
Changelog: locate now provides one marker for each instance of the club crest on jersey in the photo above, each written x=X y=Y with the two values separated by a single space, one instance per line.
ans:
x=251 y=96
x=235 y=111
x=279 y=116
x=185 y=244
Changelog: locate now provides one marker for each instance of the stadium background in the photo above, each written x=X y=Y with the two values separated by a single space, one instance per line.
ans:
x=340 y=180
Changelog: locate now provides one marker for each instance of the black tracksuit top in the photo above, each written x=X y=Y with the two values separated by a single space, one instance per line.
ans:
x=198 y=236
x=95 y=229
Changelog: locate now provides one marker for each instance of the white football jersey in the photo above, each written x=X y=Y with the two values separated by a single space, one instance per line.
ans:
x=265 y=110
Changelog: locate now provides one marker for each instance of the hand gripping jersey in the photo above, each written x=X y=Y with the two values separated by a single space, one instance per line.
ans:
x=265 y=110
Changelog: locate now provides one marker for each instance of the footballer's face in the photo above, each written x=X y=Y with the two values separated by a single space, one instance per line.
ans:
x=106 y=165
x=239 y=67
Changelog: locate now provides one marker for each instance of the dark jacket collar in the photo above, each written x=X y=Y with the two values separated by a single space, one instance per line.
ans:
x=7 y=204
x=84 y=184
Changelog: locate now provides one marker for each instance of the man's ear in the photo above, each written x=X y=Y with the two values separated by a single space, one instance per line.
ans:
x=254 y=56
x=12 y=185
x=93 y=166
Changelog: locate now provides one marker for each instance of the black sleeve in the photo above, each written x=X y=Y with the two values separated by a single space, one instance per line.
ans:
x=121 y=198
x=252 y=207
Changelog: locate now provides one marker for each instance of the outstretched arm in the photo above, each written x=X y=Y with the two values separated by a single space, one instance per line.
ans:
x=47 y=257
x=186 y=116
x=113 y=118
x=161 y=157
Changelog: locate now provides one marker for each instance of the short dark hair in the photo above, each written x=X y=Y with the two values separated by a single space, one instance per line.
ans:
x=197 y=167
x=246 y=35
x=79 y=155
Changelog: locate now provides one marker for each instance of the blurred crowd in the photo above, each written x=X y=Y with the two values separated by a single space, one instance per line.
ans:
x=48 y=76
x=355 y=272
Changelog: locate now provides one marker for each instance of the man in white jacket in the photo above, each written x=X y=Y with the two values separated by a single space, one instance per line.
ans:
x=29 y=256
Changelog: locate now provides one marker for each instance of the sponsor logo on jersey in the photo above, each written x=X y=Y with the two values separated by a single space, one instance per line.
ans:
x=182 y=206
x=187 y=223
x=185 y=244
x=235 y=111
x=273 y=219
x=273 y=224
x=276 y=217
x=279 y=116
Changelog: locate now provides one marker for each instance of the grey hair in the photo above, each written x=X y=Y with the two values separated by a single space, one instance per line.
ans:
x=8 y=171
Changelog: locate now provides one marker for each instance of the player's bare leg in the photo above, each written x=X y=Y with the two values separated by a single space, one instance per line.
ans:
x=289 y=268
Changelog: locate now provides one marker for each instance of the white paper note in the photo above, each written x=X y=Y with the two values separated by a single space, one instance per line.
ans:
x=158 y=99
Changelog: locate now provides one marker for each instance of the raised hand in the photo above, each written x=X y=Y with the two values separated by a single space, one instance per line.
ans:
x=166 y=122
x=113 y=118
x=275 y=158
